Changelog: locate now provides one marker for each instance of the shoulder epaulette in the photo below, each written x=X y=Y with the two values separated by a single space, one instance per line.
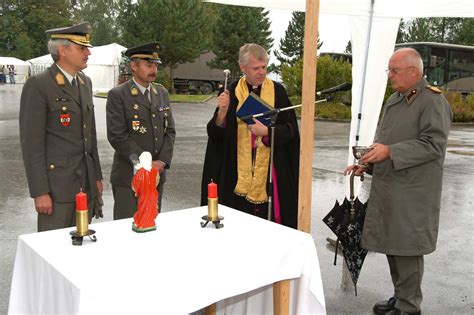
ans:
x=434 y=89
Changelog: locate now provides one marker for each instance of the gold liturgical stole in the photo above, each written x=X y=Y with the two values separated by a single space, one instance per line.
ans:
x=252 y=174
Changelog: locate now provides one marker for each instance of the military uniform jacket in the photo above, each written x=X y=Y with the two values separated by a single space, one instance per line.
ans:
x=58 y=136
x=403 y=211
x=134 y=125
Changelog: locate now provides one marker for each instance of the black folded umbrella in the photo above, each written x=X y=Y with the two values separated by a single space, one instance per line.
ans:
x=346 y=220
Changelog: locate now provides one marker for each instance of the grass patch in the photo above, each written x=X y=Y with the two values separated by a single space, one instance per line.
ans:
x=188 y=98
x=101 y=94
x=182 y=98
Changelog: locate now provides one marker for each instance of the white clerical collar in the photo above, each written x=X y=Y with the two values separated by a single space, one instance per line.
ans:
x=141 y=87
x=67 y=75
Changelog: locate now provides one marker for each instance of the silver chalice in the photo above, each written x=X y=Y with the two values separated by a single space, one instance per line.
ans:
x=359 y=151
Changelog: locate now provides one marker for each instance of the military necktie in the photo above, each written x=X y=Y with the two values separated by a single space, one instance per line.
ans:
x=75 y=88
x=147 y=95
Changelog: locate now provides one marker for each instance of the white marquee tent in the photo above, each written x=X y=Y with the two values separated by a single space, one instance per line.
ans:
x=22 y=68
x=102 y=66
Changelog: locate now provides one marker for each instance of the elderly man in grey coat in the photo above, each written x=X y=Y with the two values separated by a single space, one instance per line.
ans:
x=406 y=162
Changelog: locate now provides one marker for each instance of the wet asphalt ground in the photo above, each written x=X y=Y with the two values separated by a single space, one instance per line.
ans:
x=449 y=272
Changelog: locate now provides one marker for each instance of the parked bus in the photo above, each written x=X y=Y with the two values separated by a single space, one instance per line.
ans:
x=446 y=65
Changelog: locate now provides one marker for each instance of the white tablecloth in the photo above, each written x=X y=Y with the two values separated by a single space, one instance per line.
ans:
x=177 y=269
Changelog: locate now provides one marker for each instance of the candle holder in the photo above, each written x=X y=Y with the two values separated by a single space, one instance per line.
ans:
x=82 y=221
x=212 y=214
x=77 y=237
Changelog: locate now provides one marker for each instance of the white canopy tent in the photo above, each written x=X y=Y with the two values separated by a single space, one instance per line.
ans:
x=22 y=68
x=374 y=25
x=102 y=66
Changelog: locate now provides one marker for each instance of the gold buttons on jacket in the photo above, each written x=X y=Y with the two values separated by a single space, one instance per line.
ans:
x=64 y=108
x=153 y=115
x=51 y=167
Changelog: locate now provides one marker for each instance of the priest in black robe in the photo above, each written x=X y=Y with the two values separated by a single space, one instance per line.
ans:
x=238 y=154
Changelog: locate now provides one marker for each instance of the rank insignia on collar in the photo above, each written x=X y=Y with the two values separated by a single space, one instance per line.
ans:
x=134 y=91
x=142 y=130
x=80 y=80
x=135 y=125
x=59 y=79
x=153 y=89
x=411 y=94
x=65 y=119
x=136 y=107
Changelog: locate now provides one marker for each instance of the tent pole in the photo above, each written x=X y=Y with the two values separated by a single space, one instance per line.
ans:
x=307 y=115
x=281 y=290
x=364 y=73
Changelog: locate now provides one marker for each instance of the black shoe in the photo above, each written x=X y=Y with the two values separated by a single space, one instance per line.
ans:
x=384 y=307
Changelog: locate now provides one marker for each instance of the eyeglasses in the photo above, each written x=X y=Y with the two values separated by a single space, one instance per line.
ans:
x=396 y=71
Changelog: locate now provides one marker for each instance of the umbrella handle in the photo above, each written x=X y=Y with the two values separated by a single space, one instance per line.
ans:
x=352 y=184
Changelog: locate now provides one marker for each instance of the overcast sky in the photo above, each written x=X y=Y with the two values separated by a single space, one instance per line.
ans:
x=334 y=30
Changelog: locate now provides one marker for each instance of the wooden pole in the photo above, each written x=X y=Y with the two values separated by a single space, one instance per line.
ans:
x=281 y=290
x=307 y=115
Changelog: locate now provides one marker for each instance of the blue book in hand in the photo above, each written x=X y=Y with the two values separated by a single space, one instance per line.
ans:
x=254 y=105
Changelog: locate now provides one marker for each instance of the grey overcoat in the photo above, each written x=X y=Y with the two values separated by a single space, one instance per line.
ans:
x=404 y=204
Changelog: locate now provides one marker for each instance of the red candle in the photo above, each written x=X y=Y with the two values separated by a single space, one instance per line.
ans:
x=81 y=201
x=212 y=190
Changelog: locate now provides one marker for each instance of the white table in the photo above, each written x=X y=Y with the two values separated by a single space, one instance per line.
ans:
x=177 y=269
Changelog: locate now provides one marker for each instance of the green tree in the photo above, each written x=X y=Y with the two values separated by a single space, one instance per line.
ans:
x=292 y=44
x=182 y=27
x=330 y=73
x=30 y=19
x=440 y=30
x=348 y=49
x=234 y=27
x=102 y=14
x=464 y=34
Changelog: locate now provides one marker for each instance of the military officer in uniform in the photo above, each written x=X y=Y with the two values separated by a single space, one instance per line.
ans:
x=139 y=119
x=406 y=162
x=58 y=133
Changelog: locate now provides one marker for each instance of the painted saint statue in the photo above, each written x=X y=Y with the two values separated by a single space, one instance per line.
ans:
x=144 y=184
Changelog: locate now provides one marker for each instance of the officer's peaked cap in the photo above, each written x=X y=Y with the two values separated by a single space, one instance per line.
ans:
x=79 y=34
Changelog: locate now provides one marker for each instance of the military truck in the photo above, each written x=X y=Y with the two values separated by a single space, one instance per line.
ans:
x=197 y=76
